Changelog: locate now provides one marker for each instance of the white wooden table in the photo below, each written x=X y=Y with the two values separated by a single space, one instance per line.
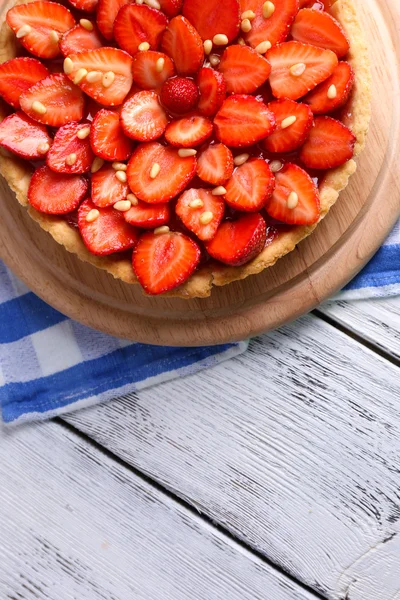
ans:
x=273 y=476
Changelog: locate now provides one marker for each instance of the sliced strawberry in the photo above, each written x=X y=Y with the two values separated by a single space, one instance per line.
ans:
x=113 y=66
x=320 y=29
x=17 y=76
x=210 y=17
x=145 y=70
x=39 y=20
x=108 y=233
x=84 y=5
x=289 y=78
x=171 y=7
x=295 y=199
x=24 y=137
x=148 y=216
x=79 y=39
x=212 y=210
x=250 y=186
x=107 y=11
x=56 y=193
x=324 y=98
x=329 y=145
x=164 y=261
x=243 y=121
x=237 y=242
x=106 y=188
x=288 y=137
x=183 y=44
x=69 y=154
x=107 y=137
x=62 y=101
x=179 y=95
x=212 y=87
x=189 y=131
x=244 y=69
x=143 y=118
x=215 y=164
x=276 y=27
x=138 y=23
x=173 y=176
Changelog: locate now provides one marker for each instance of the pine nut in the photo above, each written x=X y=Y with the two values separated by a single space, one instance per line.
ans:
x=292 y=200
x=268 y=9
x=80 y=76
x=92 y=215
x=275 y=166
x=298 y=69
x=219 y=191
x=86 y=24
x=23 y=31
x=184 y=152
x=68 y=66
x=139 y=1
x=245 y=25
x=153 y=4
x=207 y=45
x=206 y=217
x=43 y=148
x=94 y=76
x=71 y=159
x=108 y=79
x=248 y=14
x=220 y=39
x=83 y=133
x=97 y=164
x=214 y=60
x=155 y=169
x=132 y=199
x=196 y=203
x=160 y=64
x=144 y=46
x=263 y=47
x=332 y=92
x=123 y=205
x=118 y=166
x=39 y=108
x=121 y=176
x=241 y=42
x=288 y=122
x=241 y=159
x=162 y=229
x=54 y=37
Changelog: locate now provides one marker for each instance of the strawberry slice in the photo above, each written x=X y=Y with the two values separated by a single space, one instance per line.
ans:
x=288 y=135
x=56 y=193
x=171 y=7
x=163 y=261
x=69 y=154
x=84 y=5
x=244 y=69
x=202 y=220
x=24 y=137
x=250 y=186
x=138 y=23
x=183 y=44
x=179 y=95
x=152 y=184
x=106 y=188
x=113 y=69
x=237 y=242
x=212 y=87
x=243 y=121
x=329 y=145
x=143 y=118
x=215 y=164
x=34 y=23
x=189 y=131
x=295 y=199
x=146 y=69
x=53 y=101
x=320 y=29
x=108 y=233
x=107 y=11
x=275 y=28
x=17 y=76
x=211 y=18
x=148 y=216
x=107 y=137
x=79 y=39
x=298 y=68
x=325 y=98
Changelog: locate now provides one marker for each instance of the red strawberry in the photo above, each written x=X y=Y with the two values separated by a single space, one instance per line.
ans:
x=137 y=23
x=212 y=87
x=84 y=5
x=202 y=220
x=250 y=186
x=106 y=188
x=298 y=68
x=107 y=137
x=53 y=101
x=183 y=44
x=154 y=185
x=275 y=28
x=171 y=7
x=237 y=242
x=324 y=98
x=179 y=95
x=69 y=154
x=244 y=69
x=107 y=11
x=106 y=234
x=56 y=193
x=320 y=29
x=210 y=17
x=113 y=69
x=79 y=39
x=148 y=216
x=288 y=136
x=295 y=199
x=34 y=23
x=215 y=164
x=143 y=118
x=164 y=261
x=329 y=145
x=146 y=69
x=188 y=131
x=24 y=137
x=243 y=121
x=17 y=76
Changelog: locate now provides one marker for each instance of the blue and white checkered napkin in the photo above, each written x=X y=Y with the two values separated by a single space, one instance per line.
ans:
x=50 y=365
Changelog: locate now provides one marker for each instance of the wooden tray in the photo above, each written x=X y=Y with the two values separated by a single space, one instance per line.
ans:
x=322 y=264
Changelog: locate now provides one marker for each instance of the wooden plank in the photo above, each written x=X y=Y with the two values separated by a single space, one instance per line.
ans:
x=293 y=447
x=76 y=524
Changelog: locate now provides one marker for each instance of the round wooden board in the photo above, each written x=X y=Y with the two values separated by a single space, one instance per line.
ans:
x=342 y=243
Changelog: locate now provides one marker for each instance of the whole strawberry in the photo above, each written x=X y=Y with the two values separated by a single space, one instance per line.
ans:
x=179 y=95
